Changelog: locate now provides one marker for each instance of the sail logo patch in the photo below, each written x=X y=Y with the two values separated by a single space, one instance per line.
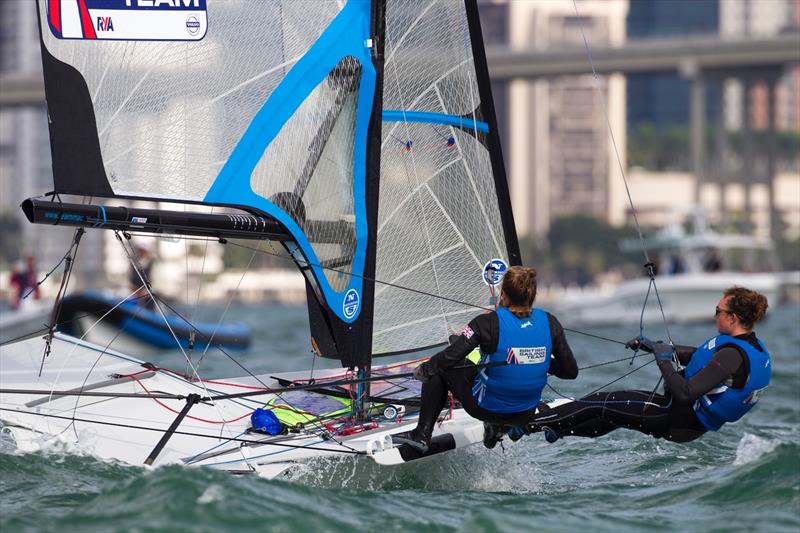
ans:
x=128 y=20
x=350 y=305
x=493 y=272
x=105 y=24
x=526 y=355
x=192 y=25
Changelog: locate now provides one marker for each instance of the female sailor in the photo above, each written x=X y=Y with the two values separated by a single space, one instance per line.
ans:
x=720 y=383
x=516 y=343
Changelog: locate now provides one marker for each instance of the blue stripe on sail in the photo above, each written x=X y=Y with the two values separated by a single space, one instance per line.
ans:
x=398 y=115
x=345 y=36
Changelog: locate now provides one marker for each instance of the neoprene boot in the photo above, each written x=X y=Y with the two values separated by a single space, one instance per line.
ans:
x=419 y=438
x=492 y=433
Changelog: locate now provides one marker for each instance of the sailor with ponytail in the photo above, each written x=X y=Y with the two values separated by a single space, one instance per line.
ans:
x=519 y=346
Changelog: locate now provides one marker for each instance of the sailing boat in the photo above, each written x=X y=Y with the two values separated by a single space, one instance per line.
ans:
x=359 y=135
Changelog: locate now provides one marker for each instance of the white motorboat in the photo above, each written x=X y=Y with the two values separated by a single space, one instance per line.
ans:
x=692 y=270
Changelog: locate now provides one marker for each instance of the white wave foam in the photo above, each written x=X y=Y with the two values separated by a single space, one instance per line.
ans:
x=751 y=448
x=214 y=493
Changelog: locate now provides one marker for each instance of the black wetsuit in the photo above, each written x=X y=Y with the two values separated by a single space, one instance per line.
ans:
x=485 y=333
x=670 y=416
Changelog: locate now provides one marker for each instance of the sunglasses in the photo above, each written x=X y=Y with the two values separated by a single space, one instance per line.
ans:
x=717 y=311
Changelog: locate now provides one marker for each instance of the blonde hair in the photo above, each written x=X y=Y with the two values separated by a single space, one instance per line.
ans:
x=519 y=288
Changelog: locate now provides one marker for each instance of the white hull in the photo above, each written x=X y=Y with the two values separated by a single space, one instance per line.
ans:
x=128 y=429
x=686 y=298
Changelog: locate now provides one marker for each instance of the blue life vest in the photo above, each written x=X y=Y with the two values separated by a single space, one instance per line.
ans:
x=724 y=404
x=525 y=345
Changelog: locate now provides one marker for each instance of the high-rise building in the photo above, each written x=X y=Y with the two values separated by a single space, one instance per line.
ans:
x=494 y=26
x=561 y=154
x=662 y=99
x=761 y=18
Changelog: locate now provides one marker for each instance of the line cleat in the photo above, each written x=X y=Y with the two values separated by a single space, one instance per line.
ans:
x=550 y=435
x=492 y=433
x=412 y=440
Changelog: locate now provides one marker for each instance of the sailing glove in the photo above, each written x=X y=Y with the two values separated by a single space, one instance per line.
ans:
x=641 y=343
x=662 y=351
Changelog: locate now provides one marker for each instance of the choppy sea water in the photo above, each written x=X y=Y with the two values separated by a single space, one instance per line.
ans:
x=745 y=477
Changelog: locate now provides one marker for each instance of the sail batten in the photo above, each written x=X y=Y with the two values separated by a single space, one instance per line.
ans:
x=442 y=119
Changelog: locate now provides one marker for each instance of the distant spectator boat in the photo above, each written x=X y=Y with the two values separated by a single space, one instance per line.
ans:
x=132 y=325
x=693 y=269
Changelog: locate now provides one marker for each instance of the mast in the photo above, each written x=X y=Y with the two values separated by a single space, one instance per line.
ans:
x=364 y=338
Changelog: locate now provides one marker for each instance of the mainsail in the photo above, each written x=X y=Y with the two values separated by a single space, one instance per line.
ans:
x=363 y=130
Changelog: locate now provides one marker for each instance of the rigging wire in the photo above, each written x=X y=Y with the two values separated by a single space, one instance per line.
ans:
x=69 y=259
x=89 y=373
x=550 y=386
x=218 y=347
x=410 y=289
x=228 y=305
x=649 y=265
x=142 y=276
x=289 y=257
x=146 y=285
x=76 y=318
x=187 y=433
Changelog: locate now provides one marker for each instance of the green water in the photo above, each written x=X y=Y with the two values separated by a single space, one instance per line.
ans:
x=745 y=477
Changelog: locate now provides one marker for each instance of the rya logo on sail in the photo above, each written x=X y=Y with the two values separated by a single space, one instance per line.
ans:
x=105 y=24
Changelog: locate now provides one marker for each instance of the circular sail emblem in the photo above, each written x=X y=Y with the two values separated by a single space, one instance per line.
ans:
x=350 y=305
x=192 y=25
x=493 y=272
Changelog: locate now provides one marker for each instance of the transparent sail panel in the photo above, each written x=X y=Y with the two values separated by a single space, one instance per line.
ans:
x=439 y=220
x=308 y=170
x=169 y=113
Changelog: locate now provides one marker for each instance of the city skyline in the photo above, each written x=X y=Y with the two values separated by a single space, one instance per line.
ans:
x=558 y=151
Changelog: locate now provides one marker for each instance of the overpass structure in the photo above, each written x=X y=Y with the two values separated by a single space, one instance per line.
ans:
x=688 y=56
x=698 y=59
